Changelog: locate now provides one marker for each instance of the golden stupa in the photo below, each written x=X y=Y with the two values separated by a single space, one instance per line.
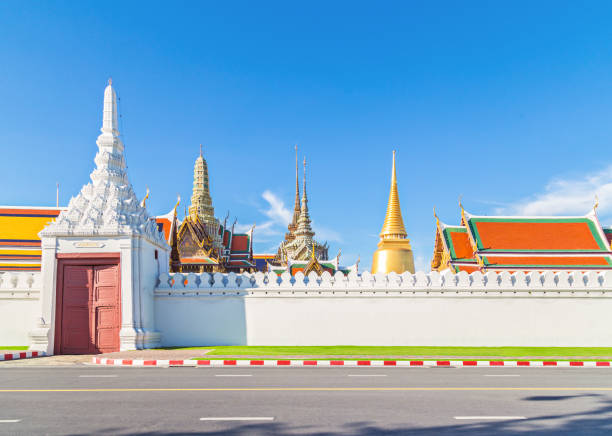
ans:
x=394 y=252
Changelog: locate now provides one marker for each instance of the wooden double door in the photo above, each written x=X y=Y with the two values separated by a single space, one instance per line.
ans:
x=88 y=307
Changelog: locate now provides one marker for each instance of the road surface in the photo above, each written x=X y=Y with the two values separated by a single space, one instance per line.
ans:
x=349 y=401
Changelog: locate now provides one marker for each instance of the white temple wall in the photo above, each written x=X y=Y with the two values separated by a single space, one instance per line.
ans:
x=452 y=310
x=149 y=269
x=19 y=306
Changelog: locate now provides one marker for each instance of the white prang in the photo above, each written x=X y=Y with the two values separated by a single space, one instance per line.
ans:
x=107 y=206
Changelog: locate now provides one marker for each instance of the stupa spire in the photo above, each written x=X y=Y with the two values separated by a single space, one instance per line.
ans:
x=393 y=226
x=394 y=252
x=201 y=201
x=296 y=207
x=304 y=228
x=107 y=206
x=109 y=116
x=292 y=227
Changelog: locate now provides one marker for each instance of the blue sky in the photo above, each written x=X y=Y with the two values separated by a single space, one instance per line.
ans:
x=507 y=104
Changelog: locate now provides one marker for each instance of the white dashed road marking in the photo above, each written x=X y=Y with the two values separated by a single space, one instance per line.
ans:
x=98 y=376
x=367 y=375
x=240 y=418
x=502 y=375
x=233 y=375
x=500 y=418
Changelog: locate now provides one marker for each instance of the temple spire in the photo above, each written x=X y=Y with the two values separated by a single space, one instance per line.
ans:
x=393 y=226
x=292 y=227
x=304 y=228
x=201 y=201
x=109 y=116
x=297 y=187
x=394 y=252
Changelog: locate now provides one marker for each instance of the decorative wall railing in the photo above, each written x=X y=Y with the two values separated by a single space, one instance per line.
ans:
x=20 y=285
x=432 y=283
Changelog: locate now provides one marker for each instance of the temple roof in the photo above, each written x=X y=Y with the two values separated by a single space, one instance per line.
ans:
x=523 y=243
x=570 y=234
x=19 y=241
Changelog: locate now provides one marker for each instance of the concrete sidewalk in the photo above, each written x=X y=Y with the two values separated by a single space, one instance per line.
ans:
x=182 y=354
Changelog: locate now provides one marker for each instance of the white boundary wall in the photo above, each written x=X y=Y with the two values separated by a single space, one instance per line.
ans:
x=422 y=309
x=562 y=309
x=19 y=306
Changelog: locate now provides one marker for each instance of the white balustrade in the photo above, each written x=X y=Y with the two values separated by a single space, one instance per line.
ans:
x=419 y=283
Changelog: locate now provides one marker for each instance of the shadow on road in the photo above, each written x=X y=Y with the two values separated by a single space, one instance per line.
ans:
x=597 y=421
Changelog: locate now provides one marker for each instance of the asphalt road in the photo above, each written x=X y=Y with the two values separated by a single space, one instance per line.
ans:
x=350 y=401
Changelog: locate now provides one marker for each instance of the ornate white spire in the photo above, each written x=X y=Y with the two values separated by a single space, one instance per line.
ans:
x=107 y=206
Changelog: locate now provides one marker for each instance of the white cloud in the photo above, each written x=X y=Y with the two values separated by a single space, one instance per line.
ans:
x=278 y=216
x=567 y=197
x=276 y=211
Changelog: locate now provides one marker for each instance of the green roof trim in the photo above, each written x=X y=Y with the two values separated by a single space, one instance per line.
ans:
x=487 y=263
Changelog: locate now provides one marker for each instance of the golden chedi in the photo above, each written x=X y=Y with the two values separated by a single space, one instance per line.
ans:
x=394 y=252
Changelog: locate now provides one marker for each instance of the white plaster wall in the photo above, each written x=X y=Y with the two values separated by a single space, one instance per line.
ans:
x=201 y=321
x=17 y=318
x=19 y=306
x=371 y=320
x=493 y=310
x=460 y=321
x=149 y=270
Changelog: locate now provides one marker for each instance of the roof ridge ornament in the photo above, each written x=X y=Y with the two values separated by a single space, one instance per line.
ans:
x=143 y=203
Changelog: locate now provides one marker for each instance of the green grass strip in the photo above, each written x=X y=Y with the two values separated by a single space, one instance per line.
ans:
x=14 y=347
x=384 y=352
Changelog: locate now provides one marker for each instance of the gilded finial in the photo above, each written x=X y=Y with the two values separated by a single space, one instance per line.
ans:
x=143 y=203
x=178 y=201
x=200 y=150
x=436 y=217
x=313 y=250
x=460 y=204
x=393 y=226
x=596 y=205
x=110 y=81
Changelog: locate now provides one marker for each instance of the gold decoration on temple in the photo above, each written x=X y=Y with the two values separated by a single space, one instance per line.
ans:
x=143 y=203
x=201 y=201
x=394 y=251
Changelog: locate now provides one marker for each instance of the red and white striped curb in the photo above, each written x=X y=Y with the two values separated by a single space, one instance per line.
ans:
x=353 y=363
x=21 y=355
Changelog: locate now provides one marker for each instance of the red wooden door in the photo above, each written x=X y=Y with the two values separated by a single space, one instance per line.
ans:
x=75 y=309
x=90 y=315
x=105 y=309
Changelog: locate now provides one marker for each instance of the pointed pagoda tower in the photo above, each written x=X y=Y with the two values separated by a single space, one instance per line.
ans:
x=304 y=224
x=302 y=244
x=201 y=202
x=292 y=227
x=394 y=252
x=116 y=243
